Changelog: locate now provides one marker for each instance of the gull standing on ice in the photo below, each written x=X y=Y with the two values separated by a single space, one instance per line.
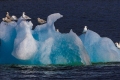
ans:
x=85 y=29
x=7 y=15
x=6 y=20
x=117 y=45
x=25 y=16
x=13 y=18
x=57 y=30
x=41 y=21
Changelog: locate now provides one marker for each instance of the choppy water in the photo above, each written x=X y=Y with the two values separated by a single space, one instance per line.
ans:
x=60 y=72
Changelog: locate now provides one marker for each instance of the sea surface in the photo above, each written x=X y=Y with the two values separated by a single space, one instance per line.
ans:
x=99 y=71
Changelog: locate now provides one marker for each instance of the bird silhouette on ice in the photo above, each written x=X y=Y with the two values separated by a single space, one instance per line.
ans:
x=117 y=45
x=25 y=16
x=85 y=29
x=41 y=21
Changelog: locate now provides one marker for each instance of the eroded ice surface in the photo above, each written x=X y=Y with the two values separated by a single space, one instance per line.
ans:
x=100 y=49
x=43 y=45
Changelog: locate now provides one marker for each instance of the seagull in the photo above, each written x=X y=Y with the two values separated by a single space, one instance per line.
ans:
x=25 y=16
x=41 y=21
x=7 y=15
x=6 y=20
x=85 y=29
x=13 y=18
x=3 y=19
x=57 y=30
x=117 y=45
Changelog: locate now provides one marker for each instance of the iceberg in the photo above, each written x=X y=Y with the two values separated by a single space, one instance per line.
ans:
x=24 y=45
x=58 y=48
x=43 y=45
x=7 y=36
x=100 y=49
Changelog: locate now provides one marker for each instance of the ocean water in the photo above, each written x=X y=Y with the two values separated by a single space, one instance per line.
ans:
x=99 y=71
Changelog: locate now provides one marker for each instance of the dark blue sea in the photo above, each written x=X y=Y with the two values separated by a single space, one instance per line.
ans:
x=99 y=71
x=101 y=16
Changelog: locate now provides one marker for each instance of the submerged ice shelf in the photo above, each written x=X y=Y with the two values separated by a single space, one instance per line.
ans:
x=44 y=45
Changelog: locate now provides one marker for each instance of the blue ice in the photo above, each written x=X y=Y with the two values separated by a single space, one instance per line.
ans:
x=100 y=49
x=43 y=45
